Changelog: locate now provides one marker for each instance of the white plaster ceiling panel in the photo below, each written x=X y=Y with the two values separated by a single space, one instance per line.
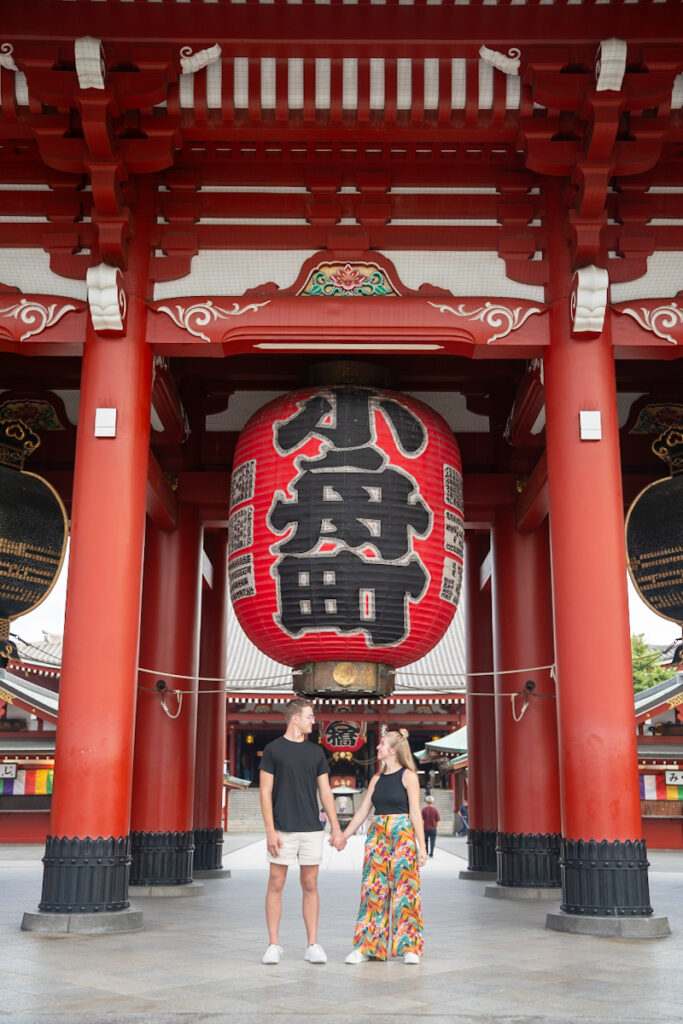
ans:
x=233 y=271
x=663 y=280
x=29 y=270
x=463 y=273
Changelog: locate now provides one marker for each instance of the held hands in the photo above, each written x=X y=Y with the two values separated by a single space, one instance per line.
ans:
x=337 y=839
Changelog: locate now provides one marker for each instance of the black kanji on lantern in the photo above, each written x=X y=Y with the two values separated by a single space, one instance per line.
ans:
x=343 y=416
x=357 y=504
x=348 y=564
x=338 y=734
x=344 y=593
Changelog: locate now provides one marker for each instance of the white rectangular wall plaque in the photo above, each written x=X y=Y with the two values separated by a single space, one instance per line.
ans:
x=105 y=422
x=590 y=425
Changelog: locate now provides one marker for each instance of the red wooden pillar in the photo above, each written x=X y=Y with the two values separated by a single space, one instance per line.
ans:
x=604 y=870
x=163 y=779
x=87 y=853
x=528 y=843
x=233 y=766
x=210 y=757
x=481 y=729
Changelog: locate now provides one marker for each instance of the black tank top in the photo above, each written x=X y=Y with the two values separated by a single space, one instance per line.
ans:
x=390 y=796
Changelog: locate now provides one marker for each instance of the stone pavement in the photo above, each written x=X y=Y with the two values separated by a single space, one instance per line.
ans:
x=199 y=959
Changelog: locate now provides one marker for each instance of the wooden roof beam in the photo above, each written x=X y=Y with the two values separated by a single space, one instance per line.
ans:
x=306 y=29
x=162 y=504
x=528 y=408
x=532 y=505
x=167 y=404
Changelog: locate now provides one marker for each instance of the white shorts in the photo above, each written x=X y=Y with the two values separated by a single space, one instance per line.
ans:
x=302 y=848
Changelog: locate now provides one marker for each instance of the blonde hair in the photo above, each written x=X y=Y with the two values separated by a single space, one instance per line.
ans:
x=398 y=741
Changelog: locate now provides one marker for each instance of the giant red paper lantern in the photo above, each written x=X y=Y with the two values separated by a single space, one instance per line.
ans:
x=346 y=530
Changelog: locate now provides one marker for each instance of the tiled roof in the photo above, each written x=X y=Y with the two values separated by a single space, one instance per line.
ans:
x=29 y=696
x=658 y=698
x=442 y=669
x=249 y=669
x=46 y=652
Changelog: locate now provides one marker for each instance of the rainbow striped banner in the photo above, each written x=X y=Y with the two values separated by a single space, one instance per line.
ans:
x=654 y=787
x=28 y=782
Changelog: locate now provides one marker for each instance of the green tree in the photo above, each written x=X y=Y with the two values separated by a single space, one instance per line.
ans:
x=647 y=671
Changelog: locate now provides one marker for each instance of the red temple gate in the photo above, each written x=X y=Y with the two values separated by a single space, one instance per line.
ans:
x=193 y=209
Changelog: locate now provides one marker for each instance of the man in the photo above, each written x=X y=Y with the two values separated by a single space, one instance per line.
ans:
x=463 y=811
x=430 y=818
x=293 y=773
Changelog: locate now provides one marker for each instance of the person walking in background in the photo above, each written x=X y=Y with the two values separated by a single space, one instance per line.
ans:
x=430 y=819
x=463 y=811
x=293 y=773
x=394 y=851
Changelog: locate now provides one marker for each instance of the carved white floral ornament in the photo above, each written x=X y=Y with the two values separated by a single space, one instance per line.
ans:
x=35 y=315
x=191 y=318
x=191 y=62
x=493 y=315
x=509 y=64
x=6 y=58
x=589 y=300
x=106 y=298
x=659 y=321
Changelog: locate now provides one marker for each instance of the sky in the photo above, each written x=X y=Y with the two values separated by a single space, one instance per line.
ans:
x=49 y=617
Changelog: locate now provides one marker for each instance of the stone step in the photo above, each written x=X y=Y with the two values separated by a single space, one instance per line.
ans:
x=244 y=811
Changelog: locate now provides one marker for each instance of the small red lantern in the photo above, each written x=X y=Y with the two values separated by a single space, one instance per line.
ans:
x=346 y=534
x=341 y=733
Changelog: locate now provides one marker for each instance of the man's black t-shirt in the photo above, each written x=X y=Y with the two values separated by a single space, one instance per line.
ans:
x=295 y=767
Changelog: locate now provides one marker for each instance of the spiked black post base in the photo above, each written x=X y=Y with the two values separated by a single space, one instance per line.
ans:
x=481 y=855
x=208 y=849
x=85 y=888
x=605 y=890
x=481 y=849
x=605 y=879
x=161 y=858
x=528 y=861
x=85 y=875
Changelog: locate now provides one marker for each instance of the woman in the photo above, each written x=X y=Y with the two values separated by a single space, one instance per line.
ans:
x=391 y=878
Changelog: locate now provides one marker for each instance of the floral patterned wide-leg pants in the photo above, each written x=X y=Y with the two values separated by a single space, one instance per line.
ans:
x=391 y=884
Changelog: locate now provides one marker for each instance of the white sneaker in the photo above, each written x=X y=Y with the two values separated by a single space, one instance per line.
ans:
x=315 y=954
x=273 y=955
x=411 y=958
x=356 y=957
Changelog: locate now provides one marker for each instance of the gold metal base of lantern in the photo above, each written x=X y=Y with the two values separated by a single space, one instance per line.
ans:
x=343 y=679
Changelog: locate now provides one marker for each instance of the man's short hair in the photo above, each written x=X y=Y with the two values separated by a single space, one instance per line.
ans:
x=295 y=707
x=429 y=800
